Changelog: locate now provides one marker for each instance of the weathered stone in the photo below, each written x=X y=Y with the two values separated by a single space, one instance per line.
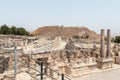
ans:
x=105 y=63
x=108 y=43
x=23 y=76
x=102 y=44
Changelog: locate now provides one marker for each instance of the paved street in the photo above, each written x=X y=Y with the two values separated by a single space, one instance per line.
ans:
x=108 y=75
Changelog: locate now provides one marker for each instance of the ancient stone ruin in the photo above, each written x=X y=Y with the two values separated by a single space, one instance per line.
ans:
x=105 y=61
x=56 y=58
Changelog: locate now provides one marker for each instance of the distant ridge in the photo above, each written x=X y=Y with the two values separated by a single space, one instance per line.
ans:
x=66 y=32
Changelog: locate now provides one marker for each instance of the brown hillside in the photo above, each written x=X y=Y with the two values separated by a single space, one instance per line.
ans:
x=65 y=32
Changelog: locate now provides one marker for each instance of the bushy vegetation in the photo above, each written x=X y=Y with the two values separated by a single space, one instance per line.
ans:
x=6 y=30
x=117 y=39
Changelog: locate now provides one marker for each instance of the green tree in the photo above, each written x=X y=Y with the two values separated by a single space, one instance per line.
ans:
x=117 y=39
x=0 y=30
x=13 y=30
x=5 y=29
x=28 y=34
x=22 y=31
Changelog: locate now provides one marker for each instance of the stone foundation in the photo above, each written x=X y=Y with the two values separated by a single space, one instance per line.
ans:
x=105 y=63
x=79 y=70
x=117 y=59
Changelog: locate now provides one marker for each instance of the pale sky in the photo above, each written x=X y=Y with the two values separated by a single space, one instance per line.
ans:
x=31 y=14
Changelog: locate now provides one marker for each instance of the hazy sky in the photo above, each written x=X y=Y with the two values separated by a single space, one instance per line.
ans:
x=31 y=14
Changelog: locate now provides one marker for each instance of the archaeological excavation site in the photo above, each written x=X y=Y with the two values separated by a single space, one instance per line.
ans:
x=62 y=54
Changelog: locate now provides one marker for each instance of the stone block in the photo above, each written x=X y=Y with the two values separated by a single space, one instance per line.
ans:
x=67 y=70
x=117 y=59
x=79 y=70
x=105 y=63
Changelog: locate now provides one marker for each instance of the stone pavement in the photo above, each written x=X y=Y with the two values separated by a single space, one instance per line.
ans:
x=106 y=75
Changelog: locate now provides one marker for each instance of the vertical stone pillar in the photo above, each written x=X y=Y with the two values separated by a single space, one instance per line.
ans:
x=9 y=40
x=108 y=43
x=26 y=42
x=32 y=41
x=22 y=43
x=105 y=62
x=102 y=44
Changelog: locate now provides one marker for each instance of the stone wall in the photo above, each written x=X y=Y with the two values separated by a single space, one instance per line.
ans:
x=69 y=62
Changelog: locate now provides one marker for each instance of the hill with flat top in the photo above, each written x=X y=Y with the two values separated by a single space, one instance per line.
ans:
x=66 y=32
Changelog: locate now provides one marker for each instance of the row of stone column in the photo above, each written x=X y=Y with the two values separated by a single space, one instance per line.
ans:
x=103 y=53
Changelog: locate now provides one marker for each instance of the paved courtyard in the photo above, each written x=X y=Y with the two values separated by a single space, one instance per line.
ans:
x=107 y=75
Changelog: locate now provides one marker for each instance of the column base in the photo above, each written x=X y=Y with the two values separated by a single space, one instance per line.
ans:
x=105 y=63
x=117 y=59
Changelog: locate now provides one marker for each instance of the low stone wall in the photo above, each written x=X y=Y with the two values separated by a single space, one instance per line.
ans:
x=80 y=70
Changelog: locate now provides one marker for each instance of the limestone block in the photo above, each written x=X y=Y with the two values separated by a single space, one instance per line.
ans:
x=117 y=59
x=67 y=70
x=23 y=76
x=105 y=63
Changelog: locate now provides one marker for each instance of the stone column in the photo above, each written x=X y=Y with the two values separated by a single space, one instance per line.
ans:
x=108 y=43
x=9 y=40
x=102 y=44
x=26 y=42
